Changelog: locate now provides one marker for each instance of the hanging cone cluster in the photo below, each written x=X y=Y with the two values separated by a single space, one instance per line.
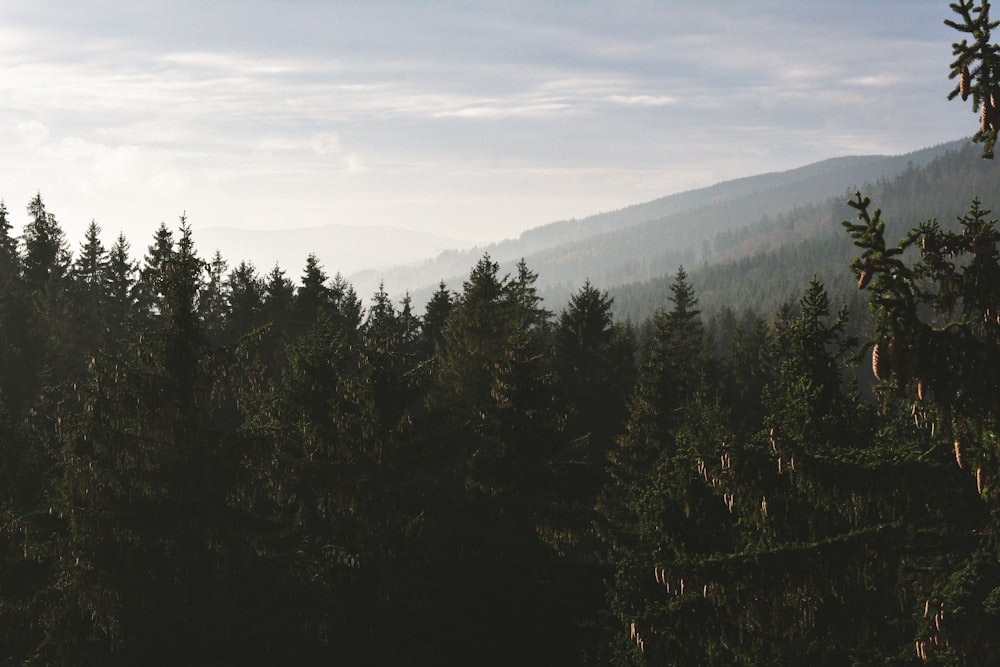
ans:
x=923 y=647
x=988 y=112
x=899 y=360
x=635 y=636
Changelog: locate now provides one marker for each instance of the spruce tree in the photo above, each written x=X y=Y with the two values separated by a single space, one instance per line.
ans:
x=120 y=278
x=9 y=258
x=89 y=288
x=46 y=254
x=154 y=269
x=246 y=296
x=435 y=316
x=213 y=298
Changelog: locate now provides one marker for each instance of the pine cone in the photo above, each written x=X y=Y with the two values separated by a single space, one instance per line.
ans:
x=880 y=362
x=867 y=272
x=988 y=112
x=964 y=82
x=959 y=455
x=994 y=102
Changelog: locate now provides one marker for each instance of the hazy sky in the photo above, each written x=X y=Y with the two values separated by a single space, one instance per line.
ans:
x=470 y=119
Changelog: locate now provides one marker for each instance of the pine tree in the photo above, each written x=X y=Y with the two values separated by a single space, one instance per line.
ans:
x=977 y=68
x=594 y=366
x=435 y=316
x=247 y=292
x=936 y=338
x=51 y=346
x=213 y=298
x=9 y=258
x=120 y=279
x=13 y=315
x=654 y=512
x=347 y=305
x=154 y=269
x=313 y=295
x=46 y=254
x=91 y=262
x=595 y=371
x=89 y=288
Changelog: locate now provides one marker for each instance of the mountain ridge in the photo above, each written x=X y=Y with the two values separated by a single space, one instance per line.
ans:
x=644 y=240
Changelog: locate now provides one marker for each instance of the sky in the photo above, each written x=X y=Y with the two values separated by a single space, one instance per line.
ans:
x=472 y=120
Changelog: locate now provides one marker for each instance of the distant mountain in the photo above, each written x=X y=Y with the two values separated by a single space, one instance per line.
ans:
x=648 y=240
x=340 y=248
x=765 y=265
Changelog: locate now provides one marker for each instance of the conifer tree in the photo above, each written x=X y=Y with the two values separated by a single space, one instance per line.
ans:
x=435 y=316
x=977 y=68
x=313 y=295
x=279 y=295
x=121 y=284
x=8 y=243
x=51 y=347
x=154 y=269
x=213 y=298
x=653 y=508
x=91 y=261
x=594 y=365
x=89 y=288
x=936 y=338
x=46 y=253
x=246 y=296
x=595 y=371
x=13 y=313
x=347 y=304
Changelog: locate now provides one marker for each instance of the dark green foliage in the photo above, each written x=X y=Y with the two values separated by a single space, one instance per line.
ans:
x=977 y=68
x=933 y=299
x=246 y=296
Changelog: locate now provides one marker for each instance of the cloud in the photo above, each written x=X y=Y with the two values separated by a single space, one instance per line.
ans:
x=34 y=134
x=644 y=100
x=511 y=109
x=292 y=109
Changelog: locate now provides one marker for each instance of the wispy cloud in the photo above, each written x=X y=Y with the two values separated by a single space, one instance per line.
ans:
x=256 y=113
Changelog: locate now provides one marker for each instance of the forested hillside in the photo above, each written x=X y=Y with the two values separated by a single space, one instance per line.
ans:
x=763 y=265
x=649 y=240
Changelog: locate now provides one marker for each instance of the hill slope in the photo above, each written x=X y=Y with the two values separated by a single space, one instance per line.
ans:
x=648 y=240
x=771 y=263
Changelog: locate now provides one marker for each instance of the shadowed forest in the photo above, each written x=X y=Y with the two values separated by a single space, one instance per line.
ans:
x=236 y=470
x=205 y=465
